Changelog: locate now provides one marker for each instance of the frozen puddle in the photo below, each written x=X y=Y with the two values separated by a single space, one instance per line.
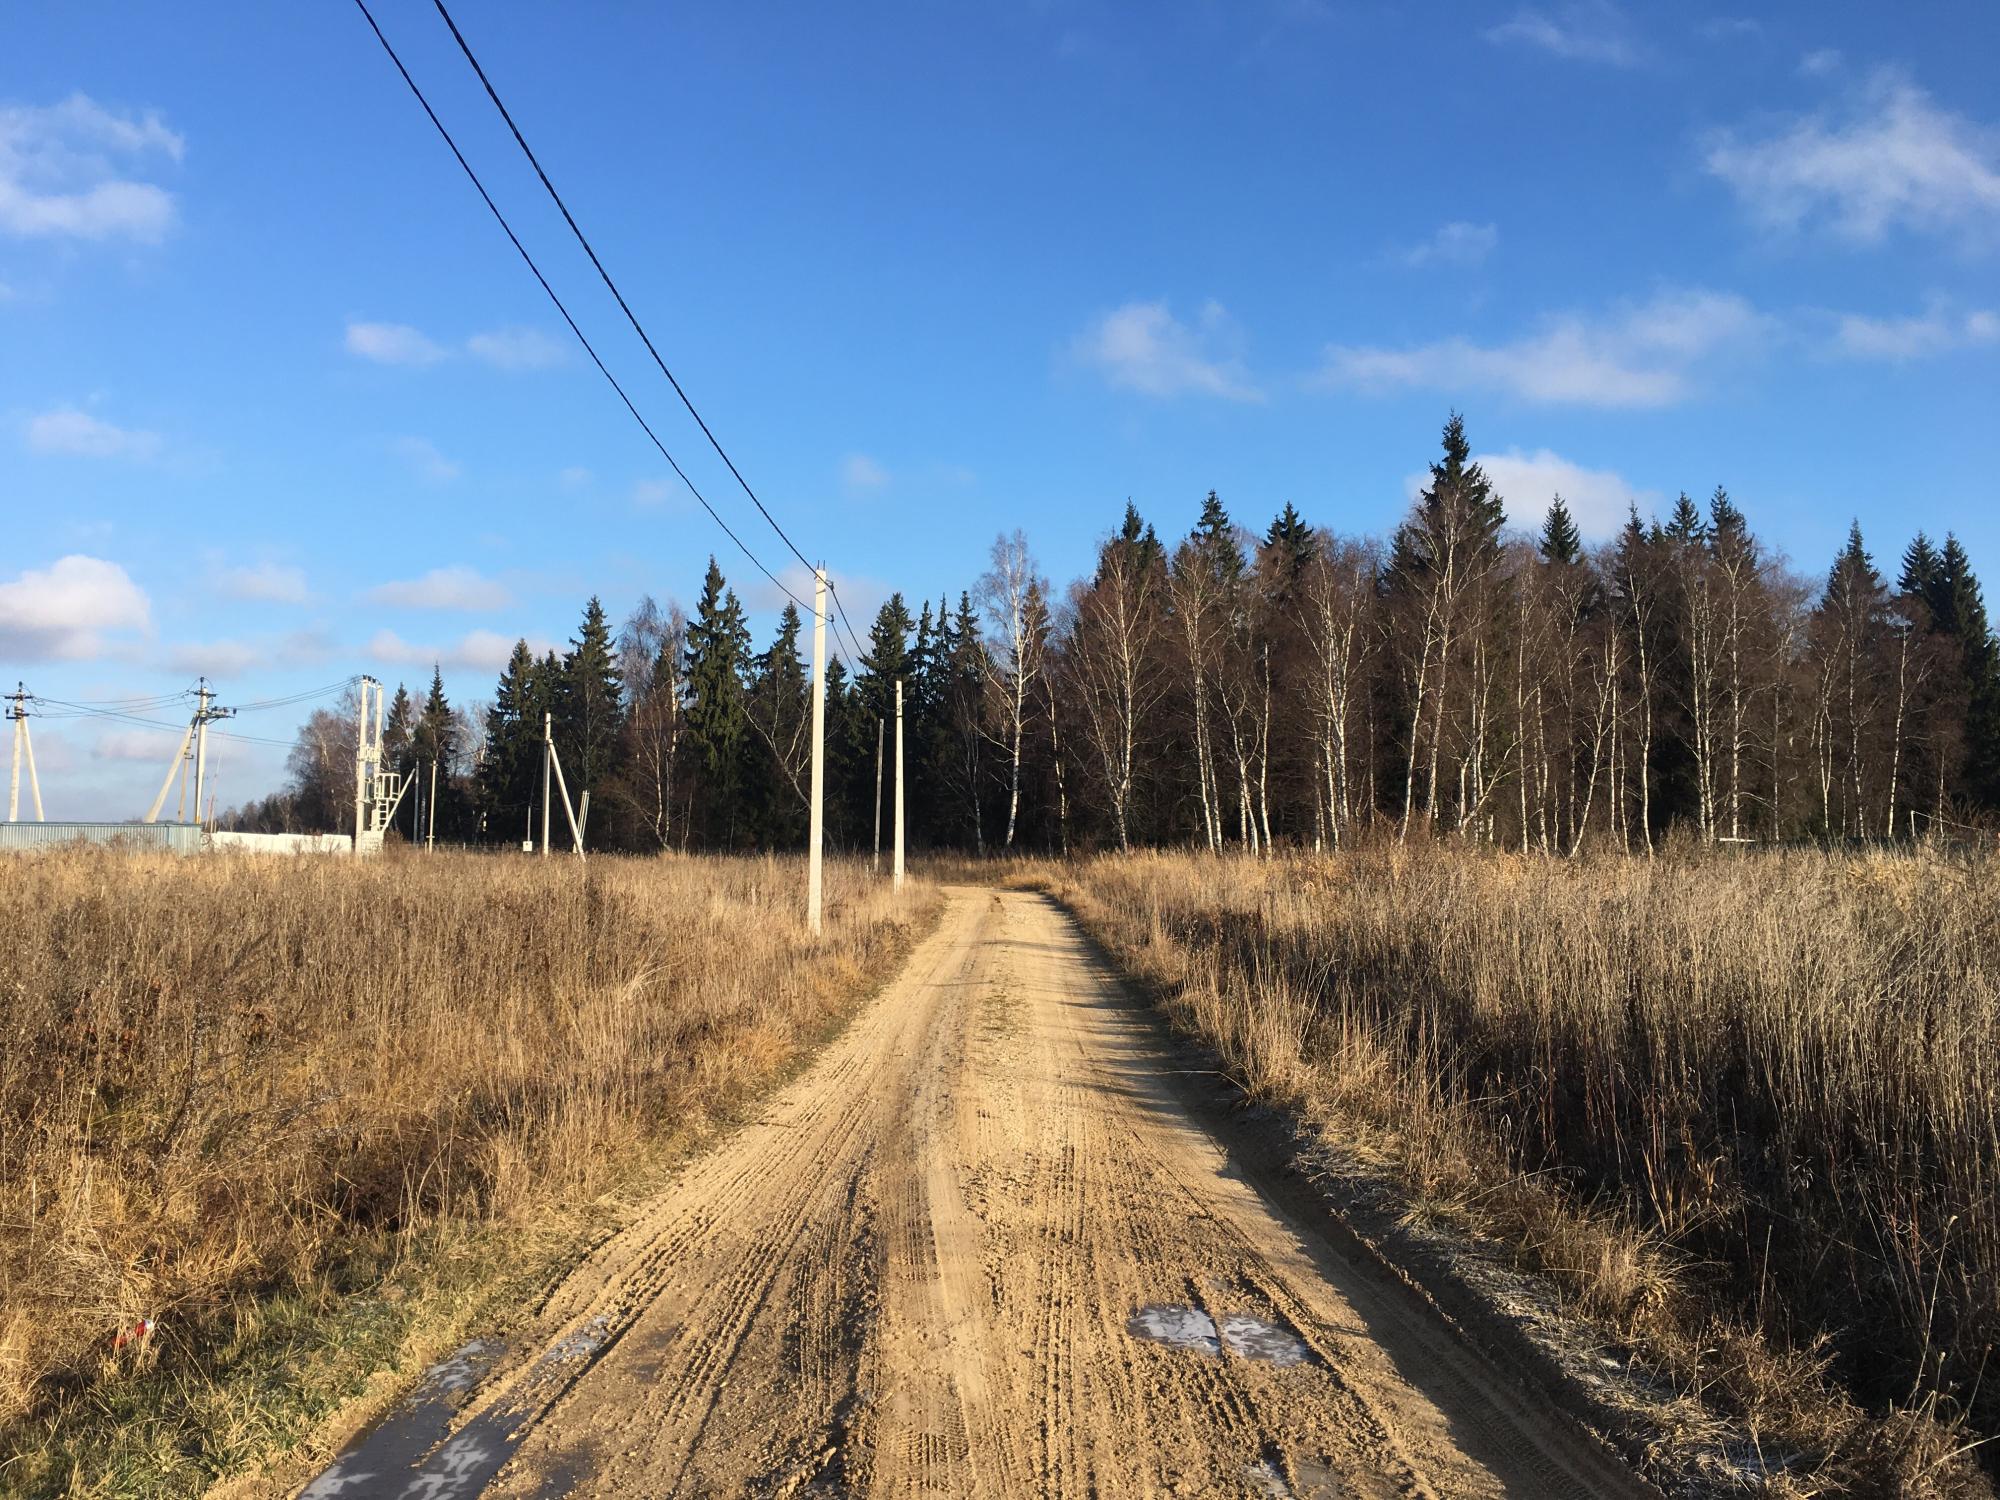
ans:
x=406 y=1456
x=1183 y=1327
x=371 y=1463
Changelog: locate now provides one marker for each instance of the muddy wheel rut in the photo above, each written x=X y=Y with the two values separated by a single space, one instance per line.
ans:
x=981 y=1247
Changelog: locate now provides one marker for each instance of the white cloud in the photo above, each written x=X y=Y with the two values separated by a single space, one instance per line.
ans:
x=422 y=456
x=859 y=472
x=1597 y=498
x=1939 y=330
x=59 y=613
x=1643 y=355
x=1820 y=62
x=392 y=344
x=217 y=658
x=1728 y=28
x=134 y=744
x=1143 y=347
x=59 y=172
x=1588 y=31
x=456 y=587
x=517 y=349
x=262 y=583
x=575 y=477
x=1894 y=161
x=476 y=651
x=1455 y=244
x=78 y=434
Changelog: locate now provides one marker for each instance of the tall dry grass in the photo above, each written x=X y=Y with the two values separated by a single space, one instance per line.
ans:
x=217 y=1074
x=1771 y=1083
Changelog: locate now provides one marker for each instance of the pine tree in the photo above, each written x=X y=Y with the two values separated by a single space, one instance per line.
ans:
x=1215 y=534
x=396 y=750
x=1958 y=609
x=588 y=707
x=1920 y=572
x=1561 y=541
x=780 y=759
x=506 y=784
x=1685 y=525
x=718 y=650
x=434 y=741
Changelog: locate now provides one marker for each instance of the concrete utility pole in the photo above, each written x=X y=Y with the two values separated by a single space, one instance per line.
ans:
x=431 y=822
x=368 y=685
x=899 y=783
x=815 y=853
x=196 y=737
x=204 y=715
x=24 y=748
x=548 y=757
x=875 y=864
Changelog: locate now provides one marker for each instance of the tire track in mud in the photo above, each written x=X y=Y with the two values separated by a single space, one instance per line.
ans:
x=920 y=1272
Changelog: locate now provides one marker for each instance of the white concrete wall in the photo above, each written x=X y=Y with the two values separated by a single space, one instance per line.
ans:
x=280 y=843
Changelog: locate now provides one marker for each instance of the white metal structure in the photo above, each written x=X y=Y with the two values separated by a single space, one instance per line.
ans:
x=24 y=748
x=378 y=791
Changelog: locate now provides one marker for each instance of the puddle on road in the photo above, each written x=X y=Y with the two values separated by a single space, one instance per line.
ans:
x=408 y=1430
x=406 y=1455
x=1183 y=1327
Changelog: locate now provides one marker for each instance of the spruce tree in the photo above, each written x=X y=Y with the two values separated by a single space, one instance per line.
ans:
x=779 y=761
x=1215 y=534
x=1920 y=573
x=434 y=741
x=396 y=751
x=1959 y=609
x=589 y=710
x=1685 y=525
x=1561 y=541
x=718 y=650
x=507 y=784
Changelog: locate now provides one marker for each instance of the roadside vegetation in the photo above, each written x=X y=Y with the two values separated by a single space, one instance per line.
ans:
x=254 y=1114
x=1744 y=1110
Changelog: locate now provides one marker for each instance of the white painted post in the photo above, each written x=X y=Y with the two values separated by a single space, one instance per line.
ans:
x=899 y=783
x=34 y=781
x=431 y=820
x=14 y=776
x=548 y=751
x=201 y=748
x=816 y=850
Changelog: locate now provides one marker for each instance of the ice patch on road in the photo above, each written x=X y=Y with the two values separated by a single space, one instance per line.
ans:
x=1182 y=1327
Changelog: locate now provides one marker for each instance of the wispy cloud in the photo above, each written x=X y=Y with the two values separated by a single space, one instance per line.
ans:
x=62 y=612
x=1455 y=244
x=862 y=474
x=475 y=651
x=422 y=455
x=1638 y=356
x=458 y=587
x=1597 y=498
x=575 y=477
x=1939 y=330
x=1142 y=347
x=261 y=583
x=1729 y=28
x=70 y=431
x=515 y=349
x=393 y=344
x=1821 y=62
x=60 y=172
x=1589 y=31
x=1890 y=159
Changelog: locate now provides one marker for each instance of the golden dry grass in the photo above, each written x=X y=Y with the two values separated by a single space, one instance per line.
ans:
x=1745 y=1109
x=220 y=1076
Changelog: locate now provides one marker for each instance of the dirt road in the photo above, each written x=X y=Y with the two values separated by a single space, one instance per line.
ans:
x=981 y=1248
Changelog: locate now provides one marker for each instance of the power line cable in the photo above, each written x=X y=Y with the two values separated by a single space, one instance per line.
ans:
x=610 y=285
x=529 y=260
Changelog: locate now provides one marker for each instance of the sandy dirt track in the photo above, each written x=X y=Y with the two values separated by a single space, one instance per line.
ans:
x=919 y=1272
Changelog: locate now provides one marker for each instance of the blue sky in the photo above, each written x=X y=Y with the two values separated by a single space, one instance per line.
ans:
x=278 y=403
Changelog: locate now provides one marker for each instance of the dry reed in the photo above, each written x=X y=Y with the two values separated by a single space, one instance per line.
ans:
x=1747 y=1109
x=218 y=1074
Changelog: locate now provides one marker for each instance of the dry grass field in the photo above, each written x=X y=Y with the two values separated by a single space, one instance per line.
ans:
x=1747 y=1109
x=237 y=1083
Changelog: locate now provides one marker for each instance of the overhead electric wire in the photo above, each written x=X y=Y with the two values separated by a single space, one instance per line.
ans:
x=603 y=369
x=301 y=697
x=612 y=286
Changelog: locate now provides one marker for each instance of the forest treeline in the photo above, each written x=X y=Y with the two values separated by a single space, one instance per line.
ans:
x=1291 y=687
